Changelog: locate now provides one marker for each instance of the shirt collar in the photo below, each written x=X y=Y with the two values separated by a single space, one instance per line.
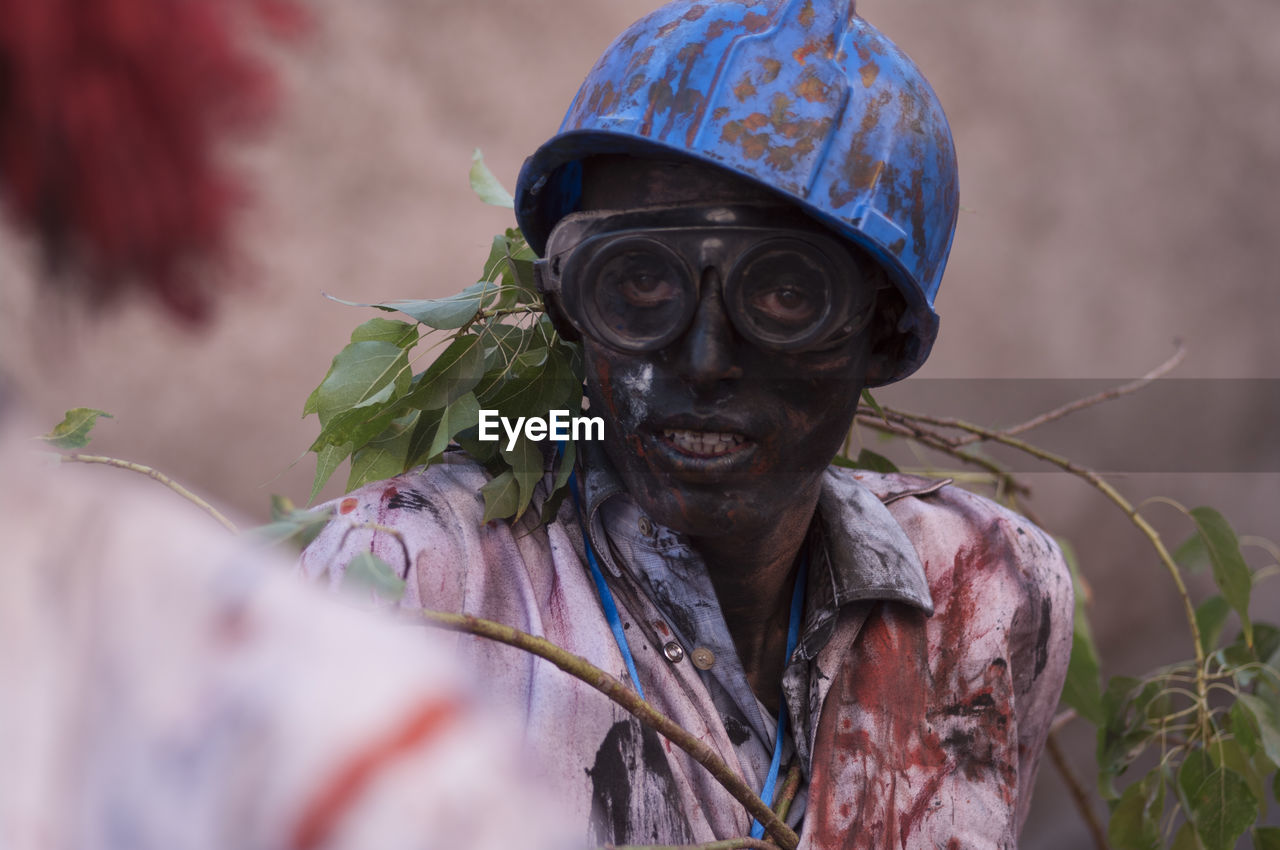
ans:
x=869 y=555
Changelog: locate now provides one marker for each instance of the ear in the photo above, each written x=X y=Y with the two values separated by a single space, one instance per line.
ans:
x=882 y=366
x=889 y=346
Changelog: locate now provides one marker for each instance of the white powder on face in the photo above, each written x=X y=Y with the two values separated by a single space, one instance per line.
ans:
x=638 y=385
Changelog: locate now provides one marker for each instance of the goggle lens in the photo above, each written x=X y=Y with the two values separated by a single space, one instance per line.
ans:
x=784 y=293
x=641 y=296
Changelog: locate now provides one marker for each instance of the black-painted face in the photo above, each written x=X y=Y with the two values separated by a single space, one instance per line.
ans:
x=714 y=434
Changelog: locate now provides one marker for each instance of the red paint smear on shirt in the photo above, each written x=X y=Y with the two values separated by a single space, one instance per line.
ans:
x=321 y=817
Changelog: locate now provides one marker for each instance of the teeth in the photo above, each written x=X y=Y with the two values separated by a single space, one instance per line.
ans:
x=704 y=443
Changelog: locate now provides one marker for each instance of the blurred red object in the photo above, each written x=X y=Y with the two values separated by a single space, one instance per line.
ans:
x=111 y=117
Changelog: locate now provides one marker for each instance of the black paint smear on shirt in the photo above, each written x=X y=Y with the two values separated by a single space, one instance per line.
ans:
x=1042 y=637
x=735 y=730
x=411 y=500
x=633 y=790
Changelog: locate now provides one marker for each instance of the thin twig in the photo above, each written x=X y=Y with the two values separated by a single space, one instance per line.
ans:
x=1061 y=720
x=787 y=794
x=1089 y=401
x=936 y=441
x=624 y=696
x=1078 y=795
x=156 y=475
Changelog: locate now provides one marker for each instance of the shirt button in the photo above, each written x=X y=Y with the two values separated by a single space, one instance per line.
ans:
x=703 y=658
x=646 y=527
x=673 y=651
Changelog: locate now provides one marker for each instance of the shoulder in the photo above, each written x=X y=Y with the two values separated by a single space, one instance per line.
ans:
x=955 y=530
x=437 y=508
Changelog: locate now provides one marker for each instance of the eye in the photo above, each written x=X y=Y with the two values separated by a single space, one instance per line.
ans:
x=645 y=290
x=786 y=302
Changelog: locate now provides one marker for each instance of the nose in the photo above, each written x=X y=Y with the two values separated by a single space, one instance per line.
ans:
x=706 y=350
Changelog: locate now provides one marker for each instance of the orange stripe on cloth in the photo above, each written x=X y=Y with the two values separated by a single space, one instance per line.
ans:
x=320 y=818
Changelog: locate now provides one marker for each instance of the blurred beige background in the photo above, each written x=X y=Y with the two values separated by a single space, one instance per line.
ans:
x=1118 y=169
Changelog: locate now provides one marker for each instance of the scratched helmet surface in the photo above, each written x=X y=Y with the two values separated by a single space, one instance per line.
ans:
x=801 y=96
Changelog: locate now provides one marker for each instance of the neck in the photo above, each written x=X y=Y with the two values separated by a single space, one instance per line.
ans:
x=753 y=576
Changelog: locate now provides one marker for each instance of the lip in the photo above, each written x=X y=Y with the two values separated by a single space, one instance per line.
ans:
x=674 y=452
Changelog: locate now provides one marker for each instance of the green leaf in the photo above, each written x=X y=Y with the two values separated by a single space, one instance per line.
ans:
x=294 y=527
x=385 y=455
x=424 y=433
x=501 y=497
x=527 y=466
x=567 y=459
x=1231 y=755
x=310 y=406
x=327 y=460
x=868 y=459
x=531 y=390
x=369 y=573
x=510 y=263
x=1266 y=838
x=453 y=374
x=533 y=358
x=364 y=374
x=1125 y=731
x=486 y=186
x=1265 y=708
x=462 y=414
x=870 y=401
x=1082 y=690
x=439 y=313
x=73 y=431
x=281 y=507
x=1266 y=645
x=1191 y=554
x=398 y=333
x=551 y=507
x=1211 y=616
x=503 y=343
x=1218 y=801
x=361 y=394
x=1230 y=572
x=1134 y=825
x=1244 y=729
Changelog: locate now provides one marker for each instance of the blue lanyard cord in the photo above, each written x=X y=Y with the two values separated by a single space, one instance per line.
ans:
x=793 y=635
x=615 y=626
x=602 y=590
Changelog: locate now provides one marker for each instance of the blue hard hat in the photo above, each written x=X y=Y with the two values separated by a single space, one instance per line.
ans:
x=800 y=96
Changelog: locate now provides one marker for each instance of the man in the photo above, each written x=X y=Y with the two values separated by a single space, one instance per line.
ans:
x=744 y=219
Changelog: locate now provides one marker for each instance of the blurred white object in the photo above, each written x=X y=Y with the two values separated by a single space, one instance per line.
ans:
x=165 y=687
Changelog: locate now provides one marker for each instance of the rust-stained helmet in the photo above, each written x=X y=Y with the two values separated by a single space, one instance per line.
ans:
x=800 y=96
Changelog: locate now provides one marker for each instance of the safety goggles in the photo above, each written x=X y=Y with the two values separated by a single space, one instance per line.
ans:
x=786 y=285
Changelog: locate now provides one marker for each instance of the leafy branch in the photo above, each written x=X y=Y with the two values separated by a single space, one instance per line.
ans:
x=501 y=353
x=73 y=432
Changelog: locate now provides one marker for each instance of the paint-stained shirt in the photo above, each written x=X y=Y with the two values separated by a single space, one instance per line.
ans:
x=933 y=650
